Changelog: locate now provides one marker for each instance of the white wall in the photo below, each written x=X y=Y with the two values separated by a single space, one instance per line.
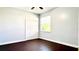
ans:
x=12 y=25
x=64 y=25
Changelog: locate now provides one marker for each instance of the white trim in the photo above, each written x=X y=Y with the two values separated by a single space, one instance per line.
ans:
x=14 y=41
x=61 y=42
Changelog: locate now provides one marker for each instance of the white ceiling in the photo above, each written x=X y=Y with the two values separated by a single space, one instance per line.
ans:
x=36 y=10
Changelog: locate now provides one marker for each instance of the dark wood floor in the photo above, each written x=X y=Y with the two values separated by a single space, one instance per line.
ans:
x=36 y=45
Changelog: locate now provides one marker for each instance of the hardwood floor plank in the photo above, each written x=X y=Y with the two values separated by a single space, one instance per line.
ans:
x=36 y=45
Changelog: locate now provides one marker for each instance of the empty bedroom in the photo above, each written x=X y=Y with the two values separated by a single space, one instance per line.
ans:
x=39 y=28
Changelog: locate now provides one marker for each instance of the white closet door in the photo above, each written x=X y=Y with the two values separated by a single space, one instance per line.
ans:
x=11 y=25
x=78 y=26
x=31 y=26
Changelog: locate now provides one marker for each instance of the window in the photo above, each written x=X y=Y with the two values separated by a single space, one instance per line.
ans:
x=45 y=24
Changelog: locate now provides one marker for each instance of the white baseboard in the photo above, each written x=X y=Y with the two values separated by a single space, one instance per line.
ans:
x=41 y=38
x=61 y=42
x=14 y=41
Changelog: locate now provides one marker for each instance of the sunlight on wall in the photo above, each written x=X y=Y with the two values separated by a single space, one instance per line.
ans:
x=63 y=16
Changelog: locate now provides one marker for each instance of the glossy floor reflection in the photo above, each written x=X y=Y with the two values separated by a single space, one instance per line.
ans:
x=36 y=45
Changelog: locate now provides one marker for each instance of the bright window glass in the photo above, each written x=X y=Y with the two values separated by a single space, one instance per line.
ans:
x=45 y=24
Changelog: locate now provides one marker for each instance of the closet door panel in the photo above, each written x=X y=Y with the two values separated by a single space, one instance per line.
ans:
x=31 y=26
